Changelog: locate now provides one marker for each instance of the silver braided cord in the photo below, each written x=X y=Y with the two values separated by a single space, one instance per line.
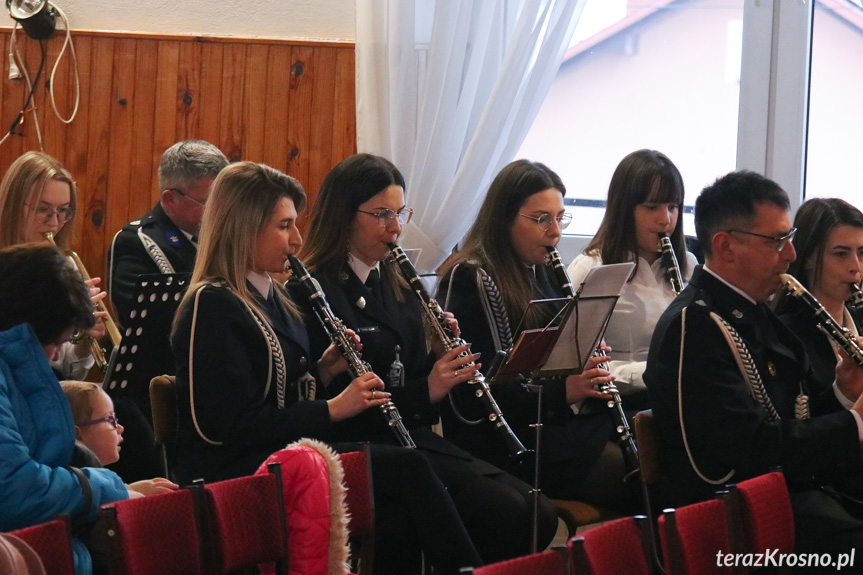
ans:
x=747 y=366
x=495 y=310
x=155 y=253
x=278 y=357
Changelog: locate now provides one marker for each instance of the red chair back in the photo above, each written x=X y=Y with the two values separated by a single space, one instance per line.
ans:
x=360 y=502
x=692 y=535
x=766 y=514
x=545 y=563
x=246 y=518
x=359 y=497
x=155 y=535
x=52 y=542
x=612 y=548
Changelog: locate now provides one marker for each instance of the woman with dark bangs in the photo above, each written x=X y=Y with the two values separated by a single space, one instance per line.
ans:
x=645 y=199
x=521 y=217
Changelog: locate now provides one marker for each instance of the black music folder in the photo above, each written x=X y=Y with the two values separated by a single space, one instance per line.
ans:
x=145 y=350
x=567 y=342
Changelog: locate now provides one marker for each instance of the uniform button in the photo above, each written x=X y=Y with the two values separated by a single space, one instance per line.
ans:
x=416 y=416
x=303 y=362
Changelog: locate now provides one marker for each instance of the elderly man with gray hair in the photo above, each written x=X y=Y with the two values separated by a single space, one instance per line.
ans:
x=165 y=239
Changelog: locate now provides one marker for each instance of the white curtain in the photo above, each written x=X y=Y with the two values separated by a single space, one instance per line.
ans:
x=447 y=90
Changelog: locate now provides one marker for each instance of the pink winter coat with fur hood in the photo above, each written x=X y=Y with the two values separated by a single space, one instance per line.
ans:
x=315 y=506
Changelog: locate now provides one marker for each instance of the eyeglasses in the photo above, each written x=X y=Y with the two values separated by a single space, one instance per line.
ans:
x=112 y=419
x=781 y=241
x=386 y=217
x=183 y=194
x=45 y=213
x=544 y=221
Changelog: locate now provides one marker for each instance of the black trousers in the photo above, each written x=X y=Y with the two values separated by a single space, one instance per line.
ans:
x=414 y=514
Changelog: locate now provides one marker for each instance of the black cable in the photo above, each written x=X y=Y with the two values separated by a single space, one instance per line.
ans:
x=20 y=117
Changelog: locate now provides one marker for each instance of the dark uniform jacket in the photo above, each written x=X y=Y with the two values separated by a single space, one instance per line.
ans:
x=798 y=317
x=127 y=258
x=383 y=325
x=237 y=419
x=729 y=434
x=565 y=435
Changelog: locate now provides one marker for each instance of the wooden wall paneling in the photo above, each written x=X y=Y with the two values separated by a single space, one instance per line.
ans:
x=299 y=125
x=99 y=144
x=344 y=138
x=230 y=140
x=121 y=128
x=286 y=103
x=255 y=119
x=321 y=133
x=54 y=131
x=209 y=98
x=188 y=84
x=278 y=101
x=143 y=119
x=168 y=109
x=14 y=93
x=77 y=157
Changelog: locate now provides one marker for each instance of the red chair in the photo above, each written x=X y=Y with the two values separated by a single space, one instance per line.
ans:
x=360 y=502
x=546 y=563
x=245 y=524
x=613 y=548
x=691 y=537
x=760 y=512
x=52 y=542
x=156 y=535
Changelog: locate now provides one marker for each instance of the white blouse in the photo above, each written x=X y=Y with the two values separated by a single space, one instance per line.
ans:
x=642 y=301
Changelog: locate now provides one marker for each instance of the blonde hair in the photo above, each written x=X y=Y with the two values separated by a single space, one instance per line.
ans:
x=24 y=183
x=240 y=206
x=79 y=394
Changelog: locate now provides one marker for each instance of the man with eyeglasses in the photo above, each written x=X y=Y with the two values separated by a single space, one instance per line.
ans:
x=737 y=403
x=165 y=239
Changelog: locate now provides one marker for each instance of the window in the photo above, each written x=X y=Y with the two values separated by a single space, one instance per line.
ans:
x=642 y=74
x=835 y=143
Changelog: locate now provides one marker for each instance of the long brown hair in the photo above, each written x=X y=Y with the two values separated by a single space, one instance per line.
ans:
x=642 y=176
x=241 y=204
x=489 y=240
x=24 y=183
x=354 y=181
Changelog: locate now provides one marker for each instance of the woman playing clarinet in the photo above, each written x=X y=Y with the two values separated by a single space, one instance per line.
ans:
x=829 y=244
x=248 y=384
x=488 y=285
x=359 y=211
x=645 y=199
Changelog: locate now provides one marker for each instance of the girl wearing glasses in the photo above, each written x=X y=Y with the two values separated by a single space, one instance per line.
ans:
x=360 y=210
x=37 y=196
x=829 y=245
x=506 y=248
x=248 y=383
x=645 y=199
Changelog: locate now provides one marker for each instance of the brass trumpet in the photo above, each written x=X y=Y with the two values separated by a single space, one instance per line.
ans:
x=110 y=325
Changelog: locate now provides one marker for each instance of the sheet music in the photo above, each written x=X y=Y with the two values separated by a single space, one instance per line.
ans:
x=585 y=326
x=583 y=329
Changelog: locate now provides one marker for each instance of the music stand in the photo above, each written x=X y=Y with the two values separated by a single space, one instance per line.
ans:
x=565 y=344
x=145 y=349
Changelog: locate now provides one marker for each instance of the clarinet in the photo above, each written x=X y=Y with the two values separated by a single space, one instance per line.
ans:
x=856 y=298
x=669 y=260
x=615 y=404
x=825 y=321
x=435 y=315
x=336 y=331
